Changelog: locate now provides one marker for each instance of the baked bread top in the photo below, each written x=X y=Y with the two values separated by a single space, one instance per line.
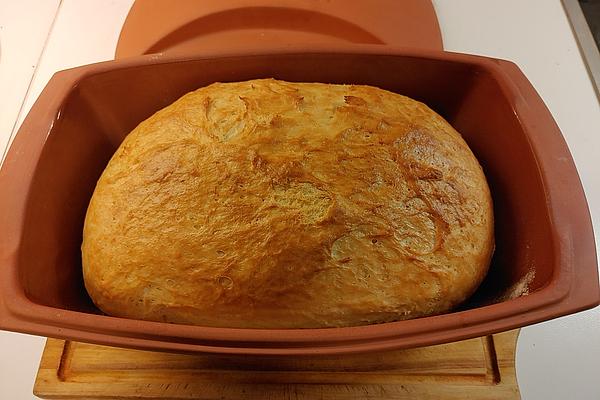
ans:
x=270 y=204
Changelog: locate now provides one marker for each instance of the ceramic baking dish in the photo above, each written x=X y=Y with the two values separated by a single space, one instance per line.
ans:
x=544 y=264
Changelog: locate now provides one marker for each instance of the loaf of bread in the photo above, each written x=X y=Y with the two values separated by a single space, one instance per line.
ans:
x=269 y=204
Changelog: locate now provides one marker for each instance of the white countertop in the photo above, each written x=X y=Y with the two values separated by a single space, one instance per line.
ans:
x=559 y=359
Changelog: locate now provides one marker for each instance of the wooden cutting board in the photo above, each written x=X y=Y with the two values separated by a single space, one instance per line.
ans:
x=481 y=368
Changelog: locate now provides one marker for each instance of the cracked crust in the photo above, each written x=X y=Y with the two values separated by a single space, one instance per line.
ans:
x=270 y=204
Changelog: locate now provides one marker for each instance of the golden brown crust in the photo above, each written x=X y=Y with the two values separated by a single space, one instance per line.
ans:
x=278 y=205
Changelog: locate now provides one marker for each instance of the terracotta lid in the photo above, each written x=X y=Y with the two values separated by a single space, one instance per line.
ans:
x=196 y=26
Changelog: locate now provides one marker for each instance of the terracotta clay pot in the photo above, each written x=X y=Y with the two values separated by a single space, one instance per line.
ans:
x=544 y=236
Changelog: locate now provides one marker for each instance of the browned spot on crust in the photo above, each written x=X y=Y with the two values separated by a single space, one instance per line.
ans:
x=355 y=101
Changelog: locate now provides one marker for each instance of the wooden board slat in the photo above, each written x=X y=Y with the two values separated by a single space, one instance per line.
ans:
x=481 y=368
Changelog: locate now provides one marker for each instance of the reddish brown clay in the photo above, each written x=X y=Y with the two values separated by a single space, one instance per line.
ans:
x=543 y=223
x=157 y=26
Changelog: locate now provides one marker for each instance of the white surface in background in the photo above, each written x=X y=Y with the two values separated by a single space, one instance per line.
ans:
x=85 y=32
x=559 y=359
x=23 y=33
x=18 y=365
